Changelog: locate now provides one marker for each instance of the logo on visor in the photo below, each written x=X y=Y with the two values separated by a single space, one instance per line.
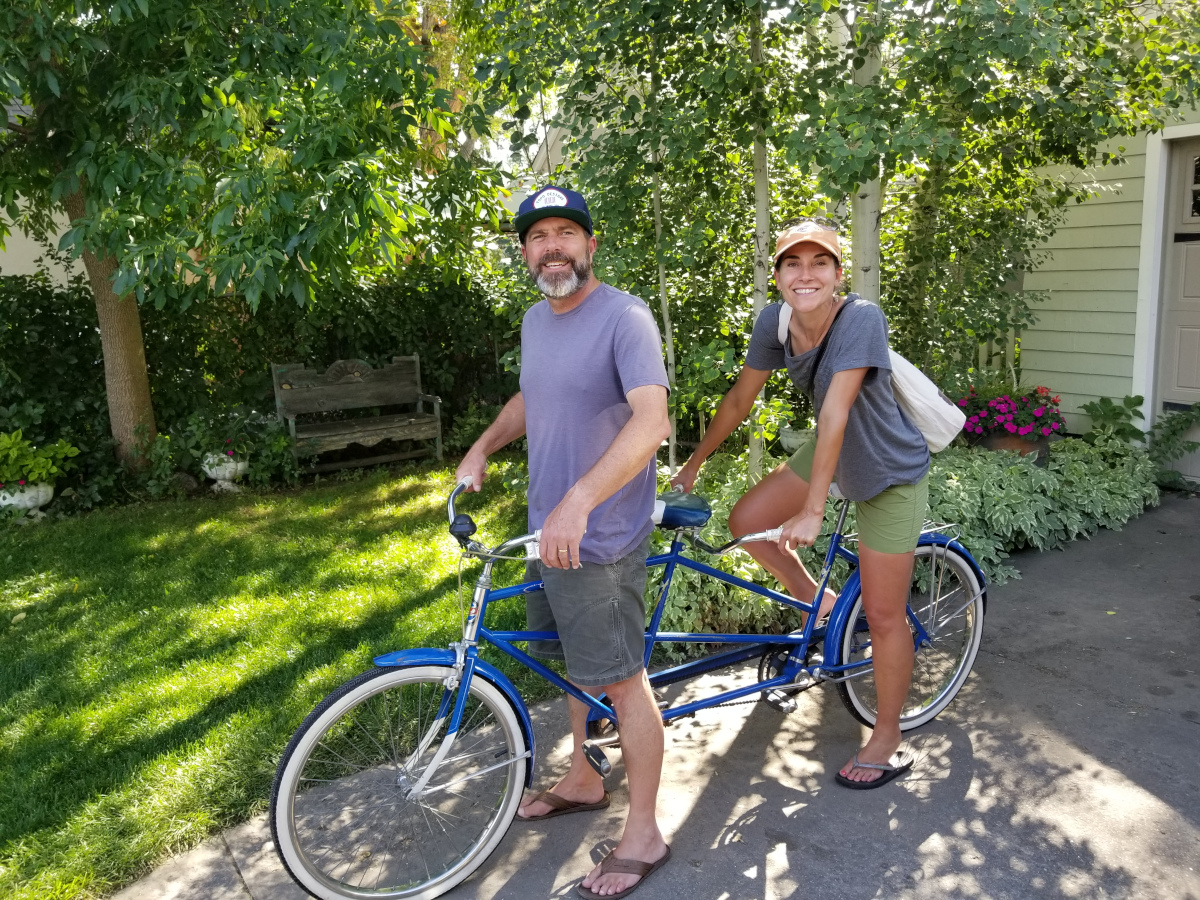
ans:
x=550 y=198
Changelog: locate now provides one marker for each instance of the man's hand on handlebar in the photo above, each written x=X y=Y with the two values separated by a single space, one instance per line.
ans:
x=473 y=466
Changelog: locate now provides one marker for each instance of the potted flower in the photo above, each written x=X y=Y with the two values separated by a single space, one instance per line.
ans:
x=27 y=473
x=222 y=444
x=1023 y=419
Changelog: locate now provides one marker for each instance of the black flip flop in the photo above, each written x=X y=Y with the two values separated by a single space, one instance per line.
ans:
x=890 y=773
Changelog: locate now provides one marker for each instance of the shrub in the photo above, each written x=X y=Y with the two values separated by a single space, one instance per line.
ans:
x=1169 y=442
x=999 y=501
x=52 y=382
x=21 y=463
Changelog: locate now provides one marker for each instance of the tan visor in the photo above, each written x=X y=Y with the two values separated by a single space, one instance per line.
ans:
x=808 y=233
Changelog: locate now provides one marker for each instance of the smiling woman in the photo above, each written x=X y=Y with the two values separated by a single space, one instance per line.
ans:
x=166 y=652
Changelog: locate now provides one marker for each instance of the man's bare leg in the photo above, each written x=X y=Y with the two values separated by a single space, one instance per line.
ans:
x=641 y=728
x=582 y=783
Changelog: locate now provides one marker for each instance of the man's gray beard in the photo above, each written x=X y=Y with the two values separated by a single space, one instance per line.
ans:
x=564 y=283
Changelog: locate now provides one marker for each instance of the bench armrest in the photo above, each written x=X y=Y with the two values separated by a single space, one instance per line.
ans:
x=436 y=402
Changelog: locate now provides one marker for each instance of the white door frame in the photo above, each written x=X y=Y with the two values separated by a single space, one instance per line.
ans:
x=1150 y=263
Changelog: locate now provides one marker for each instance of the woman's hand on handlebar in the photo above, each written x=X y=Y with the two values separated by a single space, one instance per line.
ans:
x=801 y=530
x=685 y=478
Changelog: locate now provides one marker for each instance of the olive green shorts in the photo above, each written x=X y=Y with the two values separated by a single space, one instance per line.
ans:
x=891 y=521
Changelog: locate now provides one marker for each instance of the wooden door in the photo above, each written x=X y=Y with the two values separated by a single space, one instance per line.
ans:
x=1179 y=357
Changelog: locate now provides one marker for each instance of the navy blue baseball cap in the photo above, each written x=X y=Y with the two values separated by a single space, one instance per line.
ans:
x=552 y=201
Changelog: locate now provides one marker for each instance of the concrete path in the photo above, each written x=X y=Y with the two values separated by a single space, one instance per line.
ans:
x=1069 y=767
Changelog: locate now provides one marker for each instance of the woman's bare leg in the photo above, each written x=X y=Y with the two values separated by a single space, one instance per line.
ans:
x=885 y=582
x=768 y=505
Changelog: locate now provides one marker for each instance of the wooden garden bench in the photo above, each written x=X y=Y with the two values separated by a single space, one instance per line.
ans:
x=304 y=398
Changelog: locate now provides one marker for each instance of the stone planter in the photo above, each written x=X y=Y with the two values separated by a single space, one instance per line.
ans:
x=224 y=470
x=792 y=439
x=27 y=496
x=1003 y=441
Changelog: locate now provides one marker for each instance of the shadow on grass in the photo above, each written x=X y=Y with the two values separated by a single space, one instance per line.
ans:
x=176 y=631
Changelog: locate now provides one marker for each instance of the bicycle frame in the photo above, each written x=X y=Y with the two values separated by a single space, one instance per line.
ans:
x=464 y=656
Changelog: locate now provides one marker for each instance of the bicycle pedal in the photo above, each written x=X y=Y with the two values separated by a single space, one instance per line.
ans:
x=779 y=700
x=596 y=758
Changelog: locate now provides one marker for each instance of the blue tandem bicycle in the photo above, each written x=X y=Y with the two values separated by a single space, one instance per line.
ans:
x=402 y=781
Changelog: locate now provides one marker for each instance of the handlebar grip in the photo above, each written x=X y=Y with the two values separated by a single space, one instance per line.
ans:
x=466 y=481
x=774 y=534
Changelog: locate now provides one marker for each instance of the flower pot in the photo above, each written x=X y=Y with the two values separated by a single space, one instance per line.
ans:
x=792 y=439
x=997 y=440
x=26 y=496
x=224 y=470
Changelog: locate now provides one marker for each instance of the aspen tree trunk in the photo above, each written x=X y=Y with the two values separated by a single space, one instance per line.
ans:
x=656 y=200
x=762 y=226
x=126 y=380
x=866 y=205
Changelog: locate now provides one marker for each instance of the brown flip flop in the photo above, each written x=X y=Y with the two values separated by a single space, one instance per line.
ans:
x=562 y=806
x=612 y=864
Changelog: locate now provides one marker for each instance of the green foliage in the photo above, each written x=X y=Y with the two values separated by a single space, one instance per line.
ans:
x=22 y=463
x=52 y=381
x=1003 y=501
x=1169 y=442
x=1115 y=418
x=215 y=358
x=659 y=105
x=470 y=424
x=997 y=502
x=268 y=147
x=157 y=466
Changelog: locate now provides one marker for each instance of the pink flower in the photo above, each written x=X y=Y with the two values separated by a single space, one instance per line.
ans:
x=962 y=402
x=1010 y=427
x=229 y=440
x=1039 y=411
x=229 y=453
x=1054 y=425
x=1045 y=431
x=991 y=403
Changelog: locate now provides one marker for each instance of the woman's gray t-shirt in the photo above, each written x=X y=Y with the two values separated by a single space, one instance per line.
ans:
x=881 y=446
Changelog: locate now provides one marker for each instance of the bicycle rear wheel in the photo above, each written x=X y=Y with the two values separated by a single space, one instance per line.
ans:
x=341 y=819
x=946 y=599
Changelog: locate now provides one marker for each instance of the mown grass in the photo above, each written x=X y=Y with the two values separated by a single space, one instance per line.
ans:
x=168 y=651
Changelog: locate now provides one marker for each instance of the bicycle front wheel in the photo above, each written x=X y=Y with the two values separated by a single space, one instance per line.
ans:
x=945 y=597
x=342 y=816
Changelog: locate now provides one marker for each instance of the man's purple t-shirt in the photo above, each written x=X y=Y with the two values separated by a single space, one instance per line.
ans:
x=576 y=369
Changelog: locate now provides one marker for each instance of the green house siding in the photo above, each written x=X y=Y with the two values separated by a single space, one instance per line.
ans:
x=1081 y=346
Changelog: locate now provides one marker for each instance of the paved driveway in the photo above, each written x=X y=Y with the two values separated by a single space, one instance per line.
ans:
x=1067 y=768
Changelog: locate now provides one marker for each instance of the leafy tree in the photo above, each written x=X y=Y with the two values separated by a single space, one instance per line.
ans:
x=200 y=148
x=959 y=109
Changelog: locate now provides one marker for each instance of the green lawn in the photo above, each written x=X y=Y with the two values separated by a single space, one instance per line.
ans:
x=167 y=652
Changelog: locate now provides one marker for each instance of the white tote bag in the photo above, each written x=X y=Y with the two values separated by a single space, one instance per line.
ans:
x=932 y=412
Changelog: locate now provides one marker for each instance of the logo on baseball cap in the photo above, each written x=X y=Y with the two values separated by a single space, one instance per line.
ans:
x=552 y=201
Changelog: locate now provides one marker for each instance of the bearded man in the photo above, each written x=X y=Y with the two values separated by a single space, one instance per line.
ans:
x=593 y=403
